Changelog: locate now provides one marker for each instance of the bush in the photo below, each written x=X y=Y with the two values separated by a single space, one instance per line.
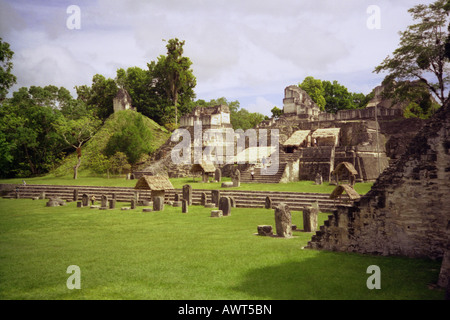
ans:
x=133 y=140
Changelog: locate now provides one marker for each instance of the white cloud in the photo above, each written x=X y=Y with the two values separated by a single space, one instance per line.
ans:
x=243 y=50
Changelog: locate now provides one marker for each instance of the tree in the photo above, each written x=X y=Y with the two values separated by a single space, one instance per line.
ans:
x=7 y=79
x=332 y=96
x=337 y=97
x=276 y=112
x=172 y=75
x=144 y=94
x=30 y=144
x=76 y=132
x=314 y=88
x=99 y=97
x=421 y=54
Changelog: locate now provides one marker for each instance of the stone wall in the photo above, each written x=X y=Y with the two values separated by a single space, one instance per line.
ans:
x=407 y=211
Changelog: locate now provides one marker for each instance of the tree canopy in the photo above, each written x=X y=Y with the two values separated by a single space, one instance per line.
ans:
x=421 y=54
x=332 y=96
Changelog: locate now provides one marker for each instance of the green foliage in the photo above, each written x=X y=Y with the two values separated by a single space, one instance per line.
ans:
x=132 y=139
x=332 y=96
x=30 y=143
x=7 y=79
x=118 y=163
x=173 y=79
x=276 y=112
x=314 y=88
x=99 y=163
x=421 y=54
x=239 y=118
x=99 y=97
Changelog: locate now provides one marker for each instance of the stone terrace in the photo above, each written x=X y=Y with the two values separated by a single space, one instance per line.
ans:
x=243 y=198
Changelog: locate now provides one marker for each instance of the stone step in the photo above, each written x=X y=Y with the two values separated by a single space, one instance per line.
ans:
x=243 y=198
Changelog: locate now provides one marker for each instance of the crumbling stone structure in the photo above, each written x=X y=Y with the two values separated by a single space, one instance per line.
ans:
x=370 y=139
x=407 y=211
x=122 y=101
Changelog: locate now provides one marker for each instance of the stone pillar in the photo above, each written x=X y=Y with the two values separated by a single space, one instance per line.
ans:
x=236 y=178
x=310 y=215
x=112 y=203
x=158 y=203
x=203 y=198
x=268 y=203
x=104 y=201
x=218 y=175
x=187 y=193
x=133 y=204
x=215 y=196
x=233 y=202
x=85 y=200
x=225 y=205
x=319 y=179
x=75 y=195
x=283 y=220
x=177 y=197
x=184 y=206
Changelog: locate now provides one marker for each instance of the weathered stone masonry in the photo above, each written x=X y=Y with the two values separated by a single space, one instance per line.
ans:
x=408 y=209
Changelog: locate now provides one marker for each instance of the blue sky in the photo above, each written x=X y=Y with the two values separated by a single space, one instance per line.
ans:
x=242 y=50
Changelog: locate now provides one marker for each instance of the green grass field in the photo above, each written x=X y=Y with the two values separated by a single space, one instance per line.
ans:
x=171 y=255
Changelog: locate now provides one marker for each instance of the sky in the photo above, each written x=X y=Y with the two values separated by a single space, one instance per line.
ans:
x=243 y=50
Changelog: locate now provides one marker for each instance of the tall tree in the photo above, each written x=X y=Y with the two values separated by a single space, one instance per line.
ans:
x=173 y=74
x=7 y=79
x=75 y=133
x=421 y=54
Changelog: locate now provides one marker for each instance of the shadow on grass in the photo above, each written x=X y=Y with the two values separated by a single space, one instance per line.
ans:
x=343 y=276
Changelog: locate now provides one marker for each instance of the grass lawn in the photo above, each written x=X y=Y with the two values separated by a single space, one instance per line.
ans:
x=170 y=255
x=86 y=180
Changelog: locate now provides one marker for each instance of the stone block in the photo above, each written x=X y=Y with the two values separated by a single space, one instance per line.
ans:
x=79 y=204
x=216 y=213
x=265 y=230
x=227 y=184
x=310 y=216
x=177 y=203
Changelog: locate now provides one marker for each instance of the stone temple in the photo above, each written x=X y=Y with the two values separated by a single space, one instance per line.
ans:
x=310 y=141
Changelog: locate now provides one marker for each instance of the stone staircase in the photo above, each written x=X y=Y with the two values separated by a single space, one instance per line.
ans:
x=283 y=159
x=243 y=198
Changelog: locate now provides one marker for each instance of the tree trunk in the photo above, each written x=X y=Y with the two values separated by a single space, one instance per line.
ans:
x=75 y=169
